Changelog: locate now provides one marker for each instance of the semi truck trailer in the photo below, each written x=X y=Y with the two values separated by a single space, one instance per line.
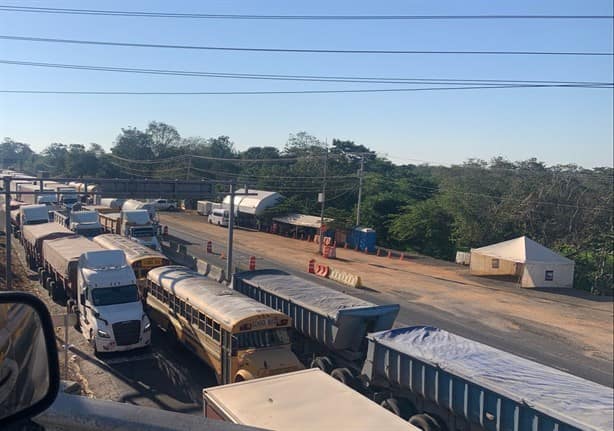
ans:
x=439 y=379
x=332 y=326
x=33 y=236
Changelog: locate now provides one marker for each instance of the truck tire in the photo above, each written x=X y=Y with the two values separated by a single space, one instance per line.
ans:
x=93 y=343
x=323 y=363
x=343 y=375
x=425 y=422
x=48 y=280
x=400 y=407
x=53 y=291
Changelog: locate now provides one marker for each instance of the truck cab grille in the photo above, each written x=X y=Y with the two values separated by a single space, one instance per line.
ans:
x=127 y=332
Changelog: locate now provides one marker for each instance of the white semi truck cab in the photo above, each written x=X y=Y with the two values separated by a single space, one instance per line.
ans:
x=137 y=225
x=110 y=311
x=85 y=223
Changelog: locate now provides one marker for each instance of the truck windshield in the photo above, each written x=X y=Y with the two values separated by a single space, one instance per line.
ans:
x=259 y=339
x=141 y=232
x=114 y=295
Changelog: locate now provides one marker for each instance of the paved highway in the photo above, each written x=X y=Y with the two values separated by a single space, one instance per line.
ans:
x=525 y=339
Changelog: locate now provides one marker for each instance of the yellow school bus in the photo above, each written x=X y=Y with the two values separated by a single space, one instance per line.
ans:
x=238 y=337
x=142 y=259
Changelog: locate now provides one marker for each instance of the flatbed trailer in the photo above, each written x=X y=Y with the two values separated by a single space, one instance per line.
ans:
x=331 y=325
x=111 y=222
x=464 y=385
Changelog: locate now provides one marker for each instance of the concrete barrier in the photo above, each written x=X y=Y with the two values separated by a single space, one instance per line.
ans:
x=203 y=267
x=345 y=278
x=179 y=258
x=216 y=273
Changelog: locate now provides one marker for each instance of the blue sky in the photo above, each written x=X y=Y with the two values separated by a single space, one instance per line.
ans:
x=554 y=125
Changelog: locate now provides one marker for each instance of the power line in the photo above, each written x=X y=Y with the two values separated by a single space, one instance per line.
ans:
x=296 y=50
x=281 y=92
x=277 y=77
x=144 y=14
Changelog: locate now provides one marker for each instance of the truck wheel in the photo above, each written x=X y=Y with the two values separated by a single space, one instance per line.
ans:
x=400 y=407
x=425 y=422
x=53 y=291
x=343 y=375
x=93 y=342
x=48 y=280
x=323 y=363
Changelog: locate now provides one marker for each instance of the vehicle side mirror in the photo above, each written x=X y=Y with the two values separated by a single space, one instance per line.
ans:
x=29 y=370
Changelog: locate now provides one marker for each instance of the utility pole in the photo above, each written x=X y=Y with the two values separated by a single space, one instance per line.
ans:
x=8 y=232
x=231 y=223
x=187 y=174
x=323 y=198
x=360 y=172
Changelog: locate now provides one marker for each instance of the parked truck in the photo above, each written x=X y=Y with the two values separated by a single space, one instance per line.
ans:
x=300 y=401
x=84 y=223
x=435 y=379
x=100 y=288
x=134 y=224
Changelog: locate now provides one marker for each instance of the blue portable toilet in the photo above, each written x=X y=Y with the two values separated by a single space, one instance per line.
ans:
x=363 y=237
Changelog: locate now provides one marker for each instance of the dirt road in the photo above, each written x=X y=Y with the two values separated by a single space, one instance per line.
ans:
x=578 y=318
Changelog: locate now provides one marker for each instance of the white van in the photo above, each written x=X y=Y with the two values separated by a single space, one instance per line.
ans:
x=218 y=217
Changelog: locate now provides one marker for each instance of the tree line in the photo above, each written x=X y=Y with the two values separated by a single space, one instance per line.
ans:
x=434 y=210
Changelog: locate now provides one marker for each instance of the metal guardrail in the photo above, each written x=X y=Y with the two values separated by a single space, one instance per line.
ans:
x=77 y=413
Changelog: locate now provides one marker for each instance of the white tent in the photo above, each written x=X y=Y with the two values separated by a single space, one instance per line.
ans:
x=533 y=264
x=254 y=203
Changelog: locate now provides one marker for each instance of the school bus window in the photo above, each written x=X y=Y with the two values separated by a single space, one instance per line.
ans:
x=201 y=322
x=182 y=308
x=188 y=312
x=216 y=331
x=209 y=330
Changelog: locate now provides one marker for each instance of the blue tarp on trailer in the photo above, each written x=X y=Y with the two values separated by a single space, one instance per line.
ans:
x=571 y=401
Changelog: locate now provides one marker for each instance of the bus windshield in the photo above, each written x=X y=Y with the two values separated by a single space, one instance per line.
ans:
x=259 y=339
x=115 y=295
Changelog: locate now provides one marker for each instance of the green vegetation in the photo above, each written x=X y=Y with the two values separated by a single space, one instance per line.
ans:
x=434 y=210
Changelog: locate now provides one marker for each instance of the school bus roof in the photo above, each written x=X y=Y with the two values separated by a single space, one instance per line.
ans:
x=226 y=306
x=301 y=401
x=132 y=249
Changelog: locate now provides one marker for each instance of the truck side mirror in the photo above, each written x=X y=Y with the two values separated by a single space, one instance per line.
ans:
x=29 y=370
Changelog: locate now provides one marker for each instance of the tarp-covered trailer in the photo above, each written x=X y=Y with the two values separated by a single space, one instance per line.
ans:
x=333 y=325
x=61 y=260
x=33 y=237
x=467 y=385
